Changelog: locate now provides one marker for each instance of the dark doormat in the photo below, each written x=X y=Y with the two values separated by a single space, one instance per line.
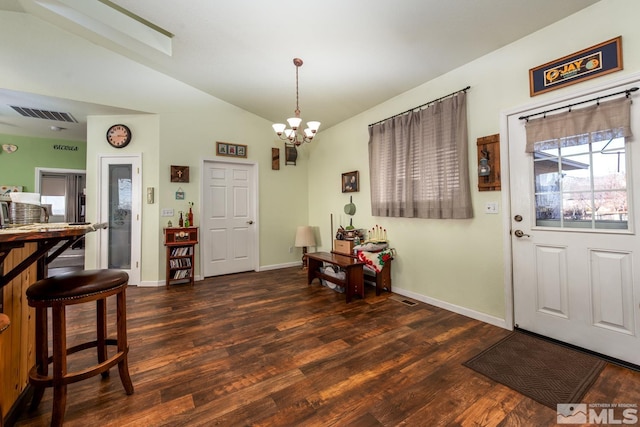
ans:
x=546 y=372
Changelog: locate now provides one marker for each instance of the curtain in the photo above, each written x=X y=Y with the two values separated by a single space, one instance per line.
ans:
x=602 y=121
x=418 y=163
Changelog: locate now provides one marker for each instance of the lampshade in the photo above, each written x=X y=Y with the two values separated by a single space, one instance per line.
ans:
x=304 y=236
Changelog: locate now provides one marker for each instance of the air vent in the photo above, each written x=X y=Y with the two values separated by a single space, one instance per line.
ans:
x=44 y=114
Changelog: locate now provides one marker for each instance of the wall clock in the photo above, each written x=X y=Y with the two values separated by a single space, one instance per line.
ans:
x=119 y=136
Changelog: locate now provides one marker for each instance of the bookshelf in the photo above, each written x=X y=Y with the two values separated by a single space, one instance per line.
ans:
x=180 y=243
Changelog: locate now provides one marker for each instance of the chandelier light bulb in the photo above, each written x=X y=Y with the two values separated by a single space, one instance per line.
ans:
x=279 y=128
x=294 y=122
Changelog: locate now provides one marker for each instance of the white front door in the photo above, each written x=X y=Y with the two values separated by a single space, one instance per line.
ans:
x=229 y=225
x=120 y=184
x=576 y=256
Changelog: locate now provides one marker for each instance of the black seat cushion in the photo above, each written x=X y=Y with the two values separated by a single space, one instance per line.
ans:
x=77 y=284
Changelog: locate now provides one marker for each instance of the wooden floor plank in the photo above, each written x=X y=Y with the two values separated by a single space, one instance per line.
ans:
x=266 y=349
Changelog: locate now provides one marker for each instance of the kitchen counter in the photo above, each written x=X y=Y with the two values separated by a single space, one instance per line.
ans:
x=24 y=255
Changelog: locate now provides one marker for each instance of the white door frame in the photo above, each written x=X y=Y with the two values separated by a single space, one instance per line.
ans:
x=256 y=207
x=136 y=245
x=505 y=176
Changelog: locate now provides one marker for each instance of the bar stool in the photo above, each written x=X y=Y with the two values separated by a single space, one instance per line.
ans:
x=57 y=293
x=4 y=325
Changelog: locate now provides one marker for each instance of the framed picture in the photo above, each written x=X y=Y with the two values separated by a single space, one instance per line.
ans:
x=180 y=194
x=231 y=150
x=594 y=61
x=179 y=173
x=350 y=182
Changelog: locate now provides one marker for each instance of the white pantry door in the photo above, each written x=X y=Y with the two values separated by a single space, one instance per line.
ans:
x=576 y=255
x=229 y=226
x=120 y=183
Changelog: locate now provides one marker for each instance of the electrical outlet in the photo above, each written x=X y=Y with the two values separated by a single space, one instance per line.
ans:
x=166 y=212
x=491 y=208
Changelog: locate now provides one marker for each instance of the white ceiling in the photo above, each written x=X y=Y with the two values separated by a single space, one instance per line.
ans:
x=357 y=53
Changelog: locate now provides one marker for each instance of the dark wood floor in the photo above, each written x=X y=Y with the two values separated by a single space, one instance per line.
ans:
x=265 y=349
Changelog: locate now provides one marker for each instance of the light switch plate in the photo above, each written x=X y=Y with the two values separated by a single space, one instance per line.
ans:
x=166 y=212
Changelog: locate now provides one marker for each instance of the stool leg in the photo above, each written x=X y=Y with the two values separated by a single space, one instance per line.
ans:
x=59 y=319
x=101 y=322
x=42 y=353
x=121 y=320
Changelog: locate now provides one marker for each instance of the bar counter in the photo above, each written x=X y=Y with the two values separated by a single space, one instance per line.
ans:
x=24 y=255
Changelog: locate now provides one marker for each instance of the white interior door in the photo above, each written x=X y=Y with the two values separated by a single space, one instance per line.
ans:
x=120 y=207
x=229 y=225
x=576 y=256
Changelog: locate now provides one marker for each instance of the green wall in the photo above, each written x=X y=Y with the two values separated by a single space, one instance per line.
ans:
x=18 y=168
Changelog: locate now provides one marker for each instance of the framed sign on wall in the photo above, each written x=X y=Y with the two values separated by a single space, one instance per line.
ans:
x=594 y=61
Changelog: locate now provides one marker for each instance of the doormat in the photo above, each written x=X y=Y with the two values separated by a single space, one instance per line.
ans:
x=546 y=372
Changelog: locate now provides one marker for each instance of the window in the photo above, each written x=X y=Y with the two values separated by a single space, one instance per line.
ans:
x=582 y=186
x=418 y=163
x=579 y=162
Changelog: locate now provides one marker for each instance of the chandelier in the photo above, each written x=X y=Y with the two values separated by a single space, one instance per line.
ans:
x=291 y=134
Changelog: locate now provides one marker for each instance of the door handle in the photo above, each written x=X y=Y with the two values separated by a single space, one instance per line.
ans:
x=520 y=233
x=250 y=222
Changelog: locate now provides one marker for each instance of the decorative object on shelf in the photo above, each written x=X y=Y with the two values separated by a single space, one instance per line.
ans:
x=169 y=224
x=231 y=150
x=119 y=136
x=594 y=61
x=179 y=173
x=489 y=163
x=304 y=239
x=376 y=235
x=190 y=215
x=291 y=135
x=291 y=154
x=180 y=194
x=9 y=148
x=275 y=158
x=180 y=221
x=350 y=182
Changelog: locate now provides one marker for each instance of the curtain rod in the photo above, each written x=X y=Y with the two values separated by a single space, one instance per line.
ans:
x=420 y=106
x=627 y=92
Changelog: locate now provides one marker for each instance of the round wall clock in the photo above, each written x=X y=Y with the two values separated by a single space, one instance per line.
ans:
x=119 y=136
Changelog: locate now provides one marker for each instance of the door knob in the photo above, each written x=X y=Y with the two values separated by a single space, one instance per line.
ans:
x=249 y=222
x=520 y=233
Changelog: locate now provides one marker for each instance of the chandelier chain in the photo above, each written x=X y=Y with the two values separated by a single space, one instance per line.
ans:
x=297 y=93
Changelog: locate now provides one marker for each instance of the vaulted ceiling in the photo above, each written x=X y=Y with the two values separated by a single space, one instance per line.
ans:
x=356 y=53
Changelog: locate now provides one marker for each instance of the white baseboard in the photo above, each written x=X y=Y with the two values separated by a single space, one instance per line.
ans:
x=483 y=317
x=160 y=283
x=279 y=266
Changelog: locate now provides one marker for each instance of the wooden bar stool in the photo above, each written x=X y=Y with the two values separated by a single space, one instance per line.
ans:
x=4 y=324
x=68 y=289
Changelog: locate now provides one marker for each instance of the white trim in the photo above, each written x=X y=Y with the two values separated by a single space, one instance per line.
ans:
x=279 y=266
x=505 y=173
x=477 y=315
x=39 y=171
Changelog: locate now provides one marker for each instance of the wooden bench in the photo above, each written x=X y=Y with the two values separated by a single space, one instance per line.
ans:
x=382 y=278
x=353 y=282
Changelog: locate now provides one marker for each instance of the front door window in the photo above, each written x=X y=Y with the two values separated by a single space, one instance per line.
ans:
x=581 y=186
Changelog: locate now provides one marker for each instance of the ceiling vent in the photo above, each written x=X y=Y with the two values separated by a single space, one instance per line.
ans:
x=44 y=114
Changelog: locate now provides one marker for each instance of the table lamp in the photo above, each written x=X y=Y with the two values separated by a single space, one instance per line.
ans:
x=304 y=239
